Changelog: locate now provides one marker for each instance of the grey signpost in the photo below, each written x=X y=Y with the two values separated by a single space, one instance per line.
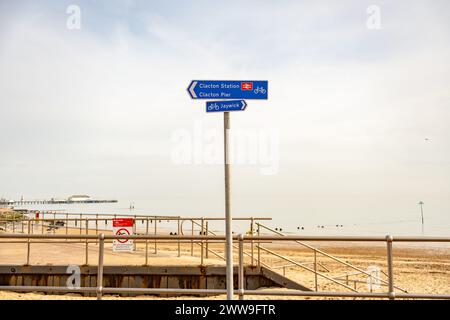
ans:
x=228 y=228
x=226 y=91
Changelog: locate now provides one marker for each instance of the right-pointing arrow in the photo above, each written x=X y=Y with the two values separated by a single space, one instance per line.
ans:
x=244 y=104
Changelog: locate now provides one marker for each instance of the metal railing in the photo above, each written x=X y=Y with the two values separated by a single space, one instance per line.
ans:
x=241 y=291
x=84 y=224
x=316 y=251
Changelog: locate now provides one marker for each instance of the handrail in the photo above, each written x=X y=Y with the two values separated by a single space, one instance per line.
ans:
x=333 y=257
x=294 y=265
x=234 y=246
x=100 y=290
x=235 y=237
x=306 y=268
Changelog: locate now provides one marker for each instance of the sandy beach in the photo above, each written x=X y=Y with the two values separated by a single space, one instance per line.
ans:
x=417 y=269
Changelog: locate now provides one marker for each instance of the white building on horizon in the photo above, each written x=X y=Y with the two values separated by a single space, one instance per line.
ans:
x=78 y=197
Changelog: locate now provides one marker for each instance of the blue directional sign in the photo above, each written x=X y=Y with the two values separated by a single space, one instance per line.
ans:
x=224 y=89
x=225 y=106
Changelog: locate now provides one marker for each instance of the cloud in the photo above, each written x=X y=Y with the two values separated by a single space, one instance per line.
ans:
x=98 y=106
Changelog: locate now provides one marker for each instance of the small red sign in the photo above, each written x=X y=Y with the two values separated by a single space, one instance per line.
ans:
x=245 y=86
x=123 y=227
x=123 y=222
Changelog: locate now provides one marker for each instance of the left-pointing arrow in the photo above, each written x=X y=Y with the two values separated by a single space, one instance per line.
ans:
x=191 y=90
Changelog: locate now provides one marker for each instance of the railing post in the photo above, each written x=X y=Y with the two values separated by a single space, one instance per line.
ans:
x=202 y=252
x=192 y=241
x=315 y=269
x=135 y=243
x=201 y=243
x=101 y=238
x=259 y=244
x=81 y=217
x=156 y=249
x=178 y=233
x=134 y=228
x=206 y=245
x=252 y=222
x=28 y=244
x=241 y=267
x=67 y=225
x=87 y=243
x=389 y=240
x=146 y=244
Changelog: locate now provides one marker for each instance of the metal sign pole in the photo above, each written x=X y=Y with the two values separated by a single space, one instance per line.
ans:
x=228 y=231
x=421 y=211
x=227 y=89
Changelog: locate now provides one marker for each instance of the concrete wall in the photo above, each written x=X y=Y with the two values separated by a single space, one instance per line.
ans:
x=192 y=277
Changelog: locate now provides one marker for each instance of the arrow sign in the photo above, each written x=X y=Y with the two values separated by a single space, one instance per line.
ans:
x=225 y=106
x=224 y=89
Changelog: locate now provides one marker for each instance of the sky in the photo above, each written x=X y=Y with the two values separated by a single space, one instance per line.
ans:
x=356 y=127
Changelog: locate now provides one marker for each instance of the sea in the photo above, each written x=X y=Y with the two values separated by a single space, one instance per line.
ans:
x=287 y=224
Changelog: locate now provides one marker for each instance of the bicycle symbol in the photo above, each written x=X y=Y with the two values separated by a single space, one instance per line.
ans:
x=260 y=90
x=213 y=106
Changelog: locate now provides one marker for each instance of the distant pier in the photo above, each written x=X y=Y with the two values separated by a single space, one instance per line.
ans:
x=52 y=201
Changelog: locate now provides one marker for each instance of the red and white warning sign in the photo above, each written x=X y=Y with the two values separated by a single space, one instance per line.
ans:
x=123 y=227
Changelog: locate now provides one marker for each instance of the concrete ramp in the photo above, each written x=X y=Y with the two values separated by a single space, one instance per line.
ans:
x=281 y=280
x=183 y=277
